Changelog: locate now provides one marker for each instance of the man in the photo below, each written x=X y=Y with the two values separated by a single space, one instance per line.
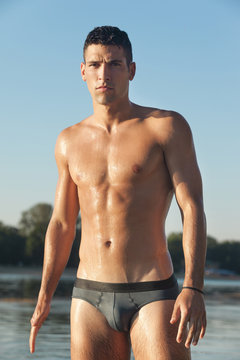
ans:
x=121 y=166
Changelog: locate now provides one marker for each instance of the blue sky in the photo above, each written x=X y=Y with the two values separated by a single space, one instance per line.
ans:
x=187 y=55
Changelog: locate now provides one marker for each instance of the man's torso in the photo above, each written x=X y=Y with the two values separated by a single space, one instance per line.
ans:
x=124 y=191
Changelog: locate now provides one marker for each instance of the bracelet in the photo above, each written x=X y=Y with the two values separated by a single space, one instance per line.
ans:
x=193 y=288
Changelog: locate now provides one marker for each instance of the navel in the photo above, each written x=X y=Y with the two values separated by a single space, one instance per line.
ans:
x=108 y=243
x=136 y=168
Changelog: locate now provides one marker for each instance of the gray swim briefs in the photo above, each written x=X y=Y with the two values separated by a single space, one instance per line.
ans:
x=118 y=302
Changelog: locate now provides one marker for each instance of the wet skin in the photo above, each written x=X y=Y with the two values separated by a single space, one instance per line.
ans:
x=121 y=167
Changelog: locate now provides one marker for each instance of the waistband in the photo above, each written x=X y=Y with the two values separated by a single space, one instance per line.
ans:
x=126 y=287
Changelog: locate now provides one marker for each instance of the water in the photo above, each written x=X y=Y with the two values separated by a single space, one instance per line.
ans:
x=221 y=341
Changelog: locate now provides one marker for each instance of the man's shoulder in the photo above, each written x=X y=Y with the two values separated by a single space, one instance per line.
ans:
x=74 y=130
x=166 y=117
x=68 y=136
x=166 y=123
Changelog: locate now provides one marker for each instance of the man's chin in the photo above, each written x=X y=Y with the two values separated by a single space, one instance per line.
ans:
x=104 y=100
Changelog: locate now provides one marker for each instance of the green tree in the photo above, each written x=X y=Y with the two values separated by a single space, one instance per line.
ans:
x=33 y=225
x=37 y=216
x=228 y=255
x=12 y=246
x=212 y=246
x=176 y=251
x=35 y=245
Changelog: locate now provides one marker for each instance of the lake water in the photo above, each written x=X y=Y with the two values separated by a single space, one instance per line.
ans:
x=17 y=291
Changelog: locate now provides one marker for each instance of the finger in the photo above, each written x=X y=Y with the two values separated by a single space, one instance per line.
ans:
x=191 y=332
x=204 y=326
x=197 y=333
x=32 y=338
x=38 y=318
x=175 y=314
x=181 y=328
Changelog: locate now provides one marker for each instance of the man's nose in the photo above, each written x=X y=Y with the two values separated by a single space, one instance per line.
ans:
x=104 y=72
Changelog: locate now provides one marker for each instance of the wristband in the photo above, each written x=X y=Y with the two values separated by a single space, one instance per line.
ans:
x=193 y=288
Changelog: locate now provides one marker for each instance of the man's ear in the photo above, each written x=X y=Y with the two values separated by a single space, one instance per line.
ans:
x=83 y=68
x=132 y=70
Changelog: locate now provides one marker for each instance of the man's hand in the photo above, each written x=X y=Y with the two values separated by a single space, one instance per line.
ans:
x=39 y=316
x=189 y=308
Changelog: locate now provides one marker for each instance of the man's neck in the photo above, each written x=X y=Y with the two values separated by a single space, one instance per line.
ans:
x=111 y=115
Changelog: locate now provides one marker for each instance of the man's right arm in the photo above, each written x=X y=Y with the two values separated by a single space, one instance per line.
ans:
x=59 y=237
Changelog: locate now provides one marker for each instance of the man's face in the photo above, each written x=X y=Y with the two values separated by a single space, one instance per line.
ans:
x=106 y=72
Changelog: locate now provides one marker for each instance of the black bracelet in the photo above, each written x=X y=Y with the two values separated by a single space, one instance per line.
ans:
x=193 y=288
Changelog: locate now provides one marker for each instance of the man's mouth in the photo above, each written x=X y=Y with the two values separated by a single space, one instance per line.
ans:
x=104 y=88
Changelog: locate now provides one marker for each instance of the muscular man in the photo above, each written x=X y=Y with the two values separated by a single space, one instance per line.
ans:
x=121 y=167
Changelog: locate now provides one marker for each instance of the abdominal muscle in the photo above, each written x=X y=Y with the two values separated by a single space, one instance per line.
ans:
x=125 y=243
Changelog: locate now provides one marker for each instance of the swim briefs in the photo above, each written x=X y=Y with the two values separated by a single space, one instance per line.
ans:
x=118 y=302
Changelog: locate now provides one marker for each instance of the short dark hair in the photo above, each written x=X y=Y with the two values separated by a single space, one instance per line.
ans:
x=109 y=35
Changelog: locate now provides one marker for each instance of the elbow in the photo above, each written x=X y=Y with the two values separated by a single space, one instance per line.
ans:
x=194 y=208
x=62 y=228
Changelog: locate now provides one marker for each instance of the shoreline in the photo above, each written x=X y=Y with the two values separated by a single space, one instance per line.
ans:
x=34 y=270
x=21 y=284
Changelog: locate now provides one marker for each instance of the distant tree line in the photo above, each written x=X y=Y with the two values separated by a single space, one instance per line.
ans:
x=220 y=255
x=24 y=245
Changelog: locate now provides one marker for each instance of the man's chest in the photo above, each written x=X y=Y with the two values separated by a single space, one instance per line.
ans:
x=126 y=158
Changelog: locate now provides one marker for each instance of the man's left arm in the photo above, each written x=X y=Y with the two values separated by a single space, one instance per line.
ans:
x=181 y=161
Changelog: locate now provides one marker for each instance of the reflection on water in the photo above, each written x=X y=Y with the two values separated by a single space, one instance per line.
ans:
x=26 y=285
x=53 y=341
x=220 y=343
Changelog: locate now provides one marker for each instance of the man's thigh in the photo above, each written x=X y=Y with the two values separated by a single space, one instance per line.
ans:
x=152 y=335
x=91 y=336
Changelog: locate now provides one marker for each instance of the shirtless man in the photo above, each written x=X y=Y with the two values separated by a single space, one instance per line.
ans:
x=121 y=167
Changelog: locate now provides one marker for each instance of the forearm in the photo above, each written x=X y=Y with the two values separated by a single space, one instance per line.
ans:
x=194 y=245
x=58 y=244
x=189 y=308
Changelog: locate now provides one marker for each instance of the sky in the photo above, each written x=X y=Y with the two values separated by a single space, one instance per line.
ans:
x=188 y=60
